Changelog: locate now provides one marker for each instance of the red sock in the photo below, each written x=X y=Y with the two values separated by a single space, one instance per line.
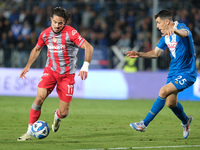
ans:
x=58 y=115
x=34 y=116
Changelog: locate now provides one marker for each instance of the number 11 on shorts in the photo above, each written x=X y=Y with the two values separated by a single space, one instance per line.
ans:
x=70 y=89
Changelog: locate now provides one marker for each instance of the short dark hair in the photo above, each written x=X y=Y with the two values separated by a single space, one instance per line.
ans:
x=164 y=14
x=61 y=12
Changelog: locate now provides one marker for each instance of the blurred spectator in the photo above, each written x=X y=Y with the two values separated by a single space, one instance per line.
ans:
x=13 y=16
x=124 y=41
x=122 y=18
x=1 y=27
x=93 y=19
x=7 y=26
x=2 y=17
x=131 y=19
x=102 y=40
x=115 y=35
x=131 y=31
x=40 y=20
x=43 y=4
x=6 y=12
x=16 y=28
x=23 y=53
x=22 y=16
x=96 y=25
x=144 y=32
x=8 y=44
x=184 y=17
x=110 y=19
x=26 y=30
x=76 y=18
x=30 y=17
x=6 y=50
x=86 y=16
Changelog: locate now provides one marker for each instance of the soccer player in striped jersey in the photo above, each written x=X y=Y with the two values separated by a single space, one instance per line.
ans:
x=63 y=42
x=182 y=70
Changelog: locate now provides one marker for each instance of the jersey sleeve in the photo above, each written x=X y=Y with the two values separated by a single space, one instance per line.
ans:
x=40 y=42
x=184 y=27
x=162 y=45
x=75 y=37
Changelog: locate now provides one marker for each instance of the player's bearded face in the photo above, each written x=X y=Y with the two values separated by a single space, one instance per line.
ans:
x=57 y=23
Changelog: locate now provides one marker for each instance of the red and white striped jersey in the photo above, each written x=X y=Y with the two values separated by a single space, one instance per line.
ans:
x=62 y=49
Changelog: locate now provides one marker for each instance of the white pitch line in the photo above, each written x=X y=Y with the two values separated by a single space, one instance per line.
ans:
x=151 y=147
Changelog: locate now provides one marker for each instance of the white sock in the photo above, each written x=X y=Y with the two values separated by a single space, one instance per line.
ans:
x=29 y=130
x=56 y=116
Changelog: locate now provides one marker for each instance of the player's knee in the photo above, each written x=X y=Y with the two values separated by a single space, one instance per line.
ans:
x=170 y=104
x=163 y=93
x=39 y=100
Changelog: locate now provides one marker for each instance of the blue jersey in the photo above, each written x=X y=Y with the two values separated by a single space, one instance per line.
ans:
x=182 y=51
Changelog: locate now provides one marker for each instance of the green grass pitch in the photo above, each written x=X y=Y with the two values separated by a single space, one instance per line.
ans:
x=97 y=125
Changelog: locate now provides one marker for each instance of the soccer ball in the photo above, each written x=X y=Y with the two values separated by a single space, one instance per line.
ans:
x=40 y=129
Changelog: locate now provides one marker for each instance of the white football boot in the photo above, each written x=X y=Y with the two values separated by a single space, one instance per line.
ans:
x=56 y=123
x=138 y=126
x=186 y=127
x=25 y=137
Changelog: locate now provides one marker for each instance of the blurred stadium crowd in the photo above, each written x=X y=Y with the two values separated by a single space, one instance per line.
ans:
x=124 y=23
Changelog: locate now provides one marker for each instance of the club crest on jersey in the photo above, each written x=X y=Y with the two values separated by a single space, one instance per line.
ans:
x=54 y=39
x=74 y=32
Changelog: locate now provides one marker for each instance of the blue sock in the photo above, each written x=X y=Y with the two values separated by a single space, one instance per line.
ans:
x=155 y=109
x=178 y=111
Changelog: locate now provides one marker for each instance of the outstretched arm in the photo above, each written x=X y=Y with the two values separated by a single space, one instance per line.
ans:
x=151 y=54
x=88 y=57
x=33 y=56
x=180 y=32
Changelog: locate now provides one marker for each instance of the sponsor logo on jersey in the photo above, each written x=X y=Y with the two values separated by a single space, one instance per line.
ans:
x=172 y=45
x=56 y=47
x=80 y=38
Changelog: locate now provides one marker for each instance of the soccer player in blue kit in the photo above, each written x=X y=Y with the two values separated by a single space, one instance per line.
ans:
x=182 y=70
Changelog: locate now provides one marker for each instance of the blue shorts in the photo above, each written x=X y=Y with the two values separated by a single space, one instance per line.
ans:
x=182 y=80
